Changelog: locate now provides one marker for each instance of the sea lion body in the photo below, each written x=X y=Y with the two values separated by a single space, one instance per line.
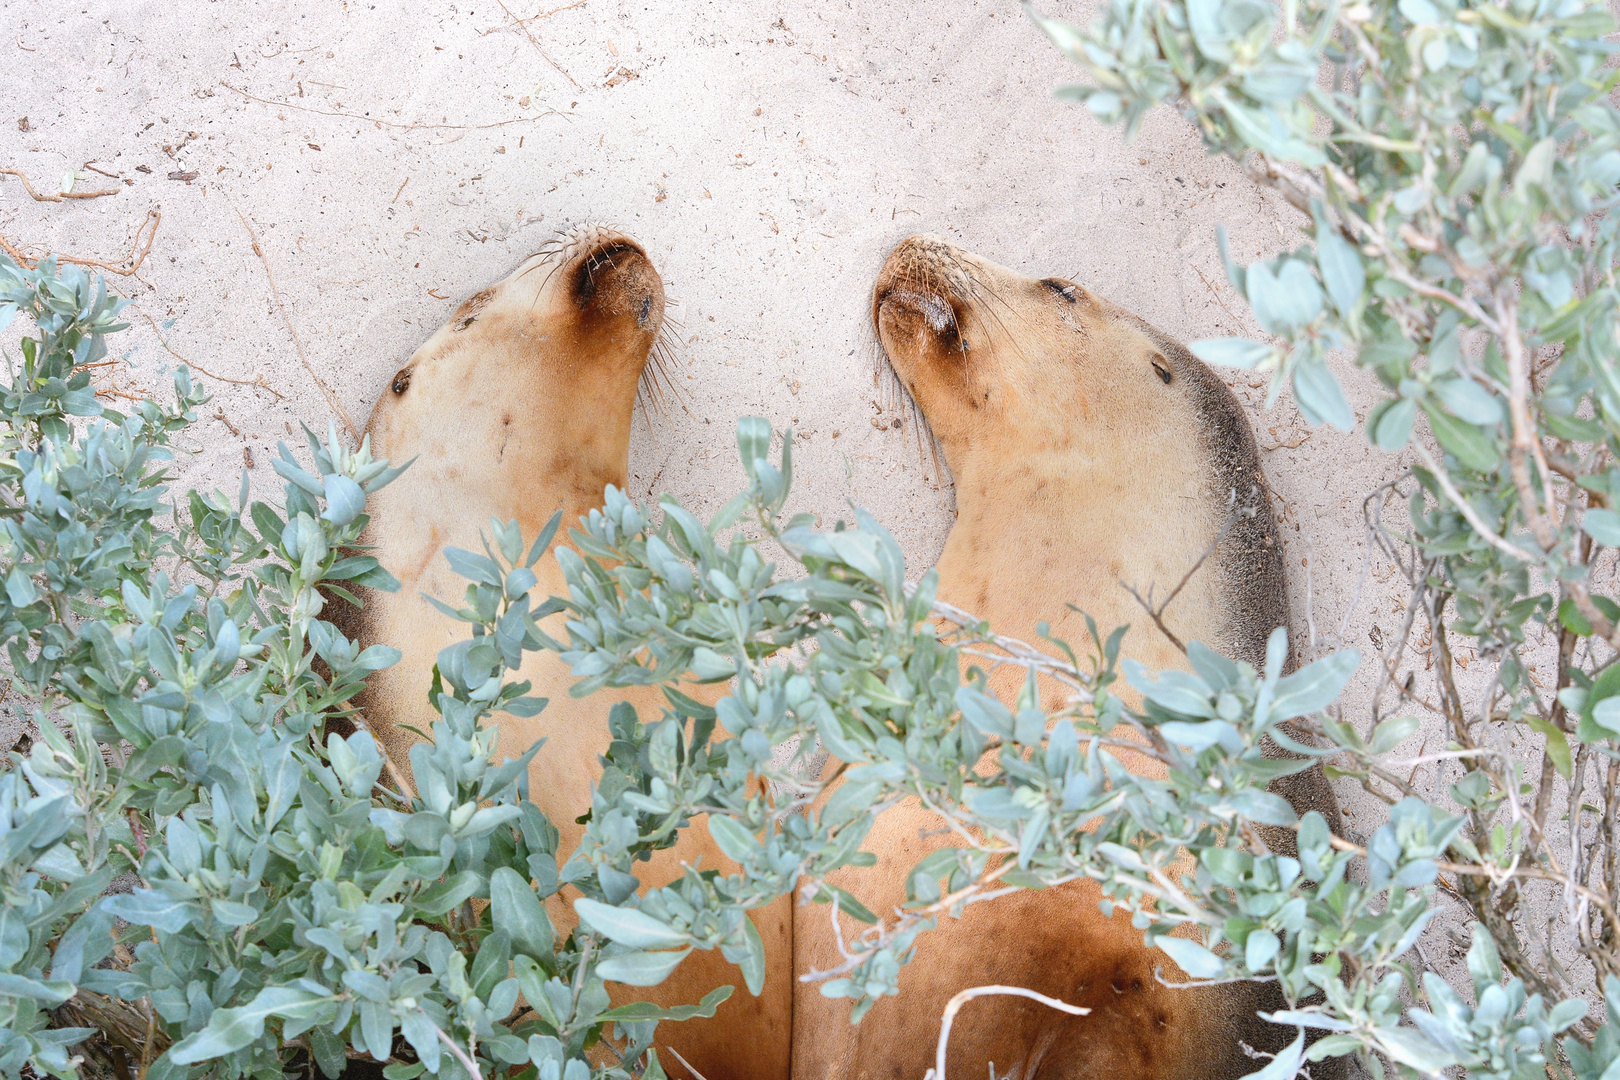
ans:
x=1088 y=450
x=518 y=407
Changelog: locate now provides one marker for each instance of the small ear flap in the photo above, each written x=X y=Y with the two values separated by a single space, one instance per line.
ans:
x=1161 y=367
x=469 y=309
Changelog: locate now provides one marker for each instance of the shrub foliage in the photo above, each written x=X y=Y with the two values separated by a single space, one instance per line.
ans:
x=198 y=878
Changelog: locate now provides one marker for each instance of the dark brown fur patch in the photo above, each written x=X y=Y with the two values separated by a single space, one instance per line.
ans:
x=602 y=259
x=1254 y=583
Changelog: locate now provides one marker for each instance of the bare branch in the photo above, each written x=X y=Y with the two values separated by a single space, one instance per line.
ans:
x=954 y=1006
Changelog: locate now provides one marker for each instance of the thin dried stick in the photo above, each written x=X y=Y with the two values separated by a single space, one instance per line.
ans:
x=1524 y=440
x=1526 y=445
x=257 y=380
x=1216 y=295
x=331 y=398
x=955 y=1005
x=972 y=893
x=546 y=56
x=537 y=18
x=461 y=1055
x=137 y=252
x=1300 y=187
x=404 y=785
x=16 y=256
x=389 y=123
x=1017 y=651
x=62 y=197
x=1157 y=614
x=688 y=1064
x=1498 y=875
x=135 y=258
x=1466 y=508
x=151 y=1035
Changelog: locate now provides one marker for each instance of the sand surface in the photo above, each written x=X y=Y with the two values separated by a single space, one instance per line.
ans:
x=390 y=158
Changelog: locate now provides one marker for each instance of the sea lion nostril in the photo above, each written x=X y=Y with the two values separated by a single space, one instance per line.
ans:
x=646 y=310
x=402 y=381
x=613 y=255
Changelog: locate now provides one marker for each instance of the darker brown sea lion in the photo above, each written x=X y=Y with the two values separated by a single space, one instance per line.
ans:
x=517 y=407
x=1087 y=449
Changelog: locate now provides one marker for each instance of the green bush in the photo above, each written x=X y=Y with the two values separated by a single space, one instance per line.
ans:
x=288 y=903
x=1457 y=165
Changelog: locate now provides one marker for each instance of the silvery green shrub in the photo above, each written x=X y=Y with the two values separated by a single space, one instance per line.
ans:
x=1457 y=165
x=1454 y=164
x=288 y=903
x=290 y=906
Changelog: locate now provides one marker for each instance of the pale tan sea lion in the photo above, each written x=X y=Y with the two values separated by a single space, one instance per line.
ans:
x=1088 y=449
x=517 y=407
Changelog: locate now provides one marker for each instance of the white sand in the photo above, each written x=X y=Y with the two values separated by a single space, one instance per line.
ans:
x=768 y=156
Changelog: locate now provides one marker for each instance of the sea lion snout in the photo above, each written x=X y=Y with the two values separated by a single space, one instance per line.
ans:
x=976 y=344
x=946 y=320
x=588 y=303
x=615 y=277
x=581 y=316
x=916 y=290
x=593 y=274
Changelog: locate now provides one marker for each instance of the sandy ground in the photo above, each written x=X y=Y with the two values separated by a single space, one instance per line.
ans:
x=393 y=157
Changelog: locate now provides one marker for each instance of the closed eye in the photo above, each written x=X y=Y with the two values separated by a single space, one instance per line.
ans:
x=1062 y=288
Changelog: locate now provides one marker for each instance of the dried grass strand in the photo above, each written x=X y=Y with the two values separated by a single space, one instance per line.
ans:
x=326 y=391
x=390 y=123
x=258 y=380
x=137 y=253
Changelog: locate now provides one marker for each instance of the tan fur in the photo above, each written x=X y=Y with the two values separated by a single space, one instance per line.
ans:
x=520 y=406
x=1077 y=467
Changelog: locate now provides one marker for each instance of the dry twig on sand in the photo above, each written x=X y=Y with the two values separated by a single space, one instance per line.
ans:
x=103 y=383
x=275 y=293
x=138 y=251
x=536 y=18
x=60 y=196
x=391 y=123
x=258 y=381
x=16 y=256
x=543 y=54
x=1237 y=322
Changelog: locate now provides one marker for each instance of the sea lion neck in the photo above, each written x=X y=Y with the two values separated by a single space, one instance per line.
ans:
x=1017 y=499
x=538 y=438
x=1012 y=450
